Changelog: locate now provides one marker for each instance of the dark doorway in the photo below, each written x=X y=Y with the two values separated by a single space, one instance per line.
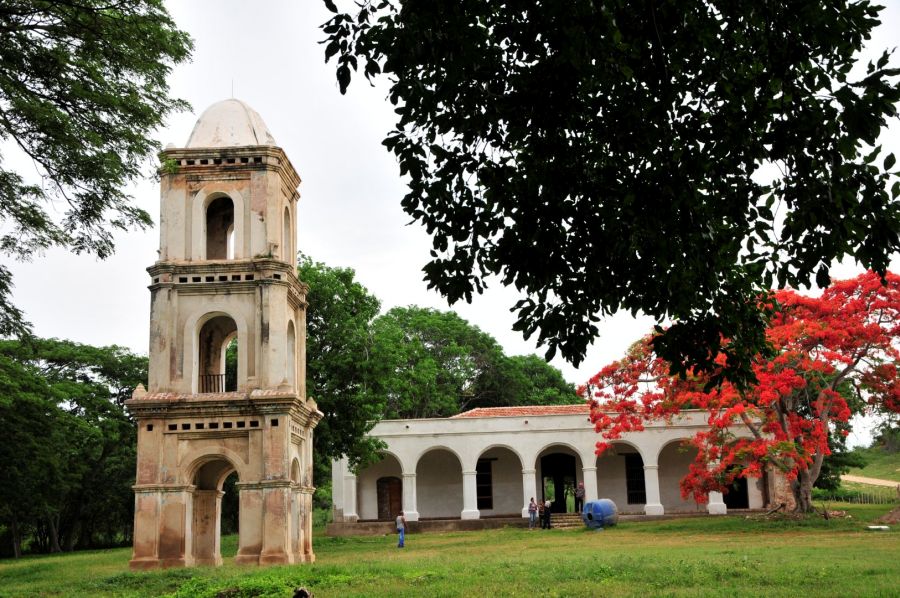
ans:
x=390 y=495
x=558 y=473
x=634 y=479
x=230 y=506
x=737 y=496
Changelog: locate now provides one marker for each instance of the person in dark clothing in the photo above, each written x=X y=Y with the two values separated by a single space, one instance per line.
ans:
x=545 y=522
x=579 y=497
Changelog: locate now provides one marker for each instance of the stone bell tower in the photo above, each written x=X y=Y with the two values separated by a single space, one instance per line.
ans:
x=226 y=276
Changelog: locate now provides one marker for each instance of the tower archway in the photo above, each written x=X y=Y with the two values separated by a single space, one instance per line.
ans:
x=287 y=245
x=216 y=333
x=219 y=228
x=290 y=354
x=206 y=537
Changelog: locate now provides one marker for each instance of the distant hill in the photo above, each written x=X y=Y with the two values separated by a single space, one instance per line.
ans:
x=881 y=464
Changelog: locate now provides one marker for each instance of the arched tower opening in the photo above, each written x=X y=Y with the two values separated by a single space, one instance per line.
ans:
x=290 y=367
x=220 y=228
x=287 y=238
x=208 y=494
x=213 y=340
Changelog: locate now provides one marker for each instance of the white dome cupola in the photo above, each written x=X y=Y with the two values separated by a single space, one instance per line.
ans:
x=230 y=123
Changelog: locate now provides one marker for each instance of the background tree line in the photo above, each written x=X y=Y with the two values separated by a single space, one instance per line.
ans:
x=67 y=448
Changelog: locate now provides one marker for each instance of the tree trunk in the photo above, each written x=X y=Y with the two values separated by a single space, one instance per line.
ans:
x=52 y=520
x=802 y=488
x=72 y=536
x=16 y=539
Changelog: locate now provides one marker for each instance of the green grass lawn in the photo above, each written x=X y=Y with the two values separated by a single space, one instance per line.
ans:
x=706 y=556
x=882 y=465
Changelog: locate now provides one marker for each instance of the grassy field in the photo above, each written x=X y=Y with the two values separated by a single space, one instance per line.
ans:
x=882 y=465
x=707 y=556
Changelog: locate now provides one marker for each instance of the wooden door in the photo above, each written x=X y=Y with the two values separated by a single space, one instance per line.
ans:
x=390 y=495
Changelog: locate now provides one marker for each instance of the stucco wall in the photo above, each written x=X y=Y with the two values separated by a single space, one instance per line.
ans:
x=611 y=478
x=439 y=484
x=673 y=465
x=506 y=478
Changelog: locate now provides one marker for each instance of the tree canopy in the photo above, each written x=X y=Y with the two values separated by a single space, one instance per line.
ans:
x=82 y=88
x=67 y=454
x=834 y=355
x=340 y=373
x=435 y=364
x=670 y=158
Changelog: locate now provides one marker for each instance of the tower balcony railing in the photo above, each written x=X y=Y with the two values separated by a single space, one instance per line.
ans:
x=210 y=383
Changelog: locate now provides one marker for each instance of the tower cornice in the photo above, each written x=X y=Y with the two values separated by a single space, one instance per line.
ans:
x=216 y=162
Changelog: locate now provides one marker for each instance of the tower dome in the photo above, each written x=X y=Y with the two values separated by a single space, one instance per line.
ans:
x=230 y=123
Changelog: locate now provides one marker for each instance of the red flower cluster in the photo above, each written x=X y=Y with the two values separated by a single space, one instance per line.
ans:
x=844 y=344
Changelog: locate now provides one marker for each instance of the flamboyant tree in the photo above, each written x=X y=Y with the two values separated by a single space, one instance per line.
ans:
x=831 y=354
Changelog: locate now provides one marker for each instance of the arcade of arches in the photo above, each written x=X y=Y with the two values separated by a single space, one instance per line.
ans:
x=490 y=462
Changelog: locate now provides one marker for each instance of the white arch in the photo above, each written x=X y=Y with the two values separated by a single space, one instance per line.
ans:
x=665 y=444
x=537 y=454
x=503 y=446
x=633 y=445
x=436 y=447
x=192 y=326
x=198 y=220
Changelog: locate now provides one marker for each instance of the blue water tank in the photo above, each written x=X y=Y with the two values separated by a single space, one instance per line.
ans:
x=598 y=514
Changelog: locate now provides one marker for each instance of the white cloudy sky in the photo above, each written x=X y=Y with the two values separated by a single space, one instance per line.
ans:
x=268 y=54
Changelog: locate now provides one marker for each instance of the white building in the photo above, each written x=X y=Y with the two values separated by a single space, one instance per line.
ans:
x=490 y=462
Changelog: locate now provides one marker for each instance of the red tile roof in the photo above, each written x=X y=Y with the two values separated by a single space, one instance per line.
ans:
x=582 y=408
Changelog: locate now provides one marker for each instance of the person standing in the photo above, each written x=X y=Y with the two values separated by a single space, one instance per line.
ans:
x=579 y=497
x=532 y=513
x=545 y=522
x=401 y=529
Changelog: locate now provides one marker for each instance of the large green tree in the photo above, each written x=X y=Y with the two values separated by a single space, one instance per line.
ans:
x=436 y=364
x=340 y=369
x=672 y=158
x=82 y=88
x=67 y=458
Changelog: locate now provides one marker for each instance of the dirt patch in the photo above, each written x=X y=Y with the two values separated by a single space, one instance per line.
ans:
x=891 y=518
x=870 y=481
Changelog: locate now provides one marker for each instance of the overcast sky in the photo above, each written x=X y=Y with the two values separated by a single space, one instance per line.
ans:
x=267 y=54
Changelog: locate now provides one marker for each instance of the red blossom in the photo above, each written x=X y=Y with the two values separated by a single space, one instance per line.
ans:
x=847 y=337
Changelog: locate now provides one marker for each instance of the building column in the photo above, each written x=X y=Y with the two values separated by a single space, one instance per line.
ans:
x=651 y=486
x=529 y=489
x=351 y=515
x=163 y=522
x=589 y=477
x=276 y=523
x=470 y=496
x=250 y=523
x=716 y=504
x=207 y=532
x=410 y=506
